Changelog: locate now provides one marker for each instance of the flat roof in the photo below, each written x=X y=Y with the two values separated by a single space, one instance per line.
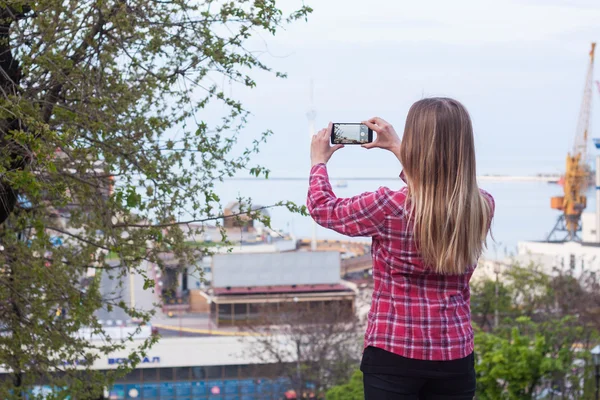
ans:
x=317 y=288
x=557 y=242
x=283 y=297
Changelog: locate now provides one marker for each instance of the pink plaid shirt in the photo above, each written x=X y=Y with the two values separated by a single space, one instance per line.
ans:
x=415 y=313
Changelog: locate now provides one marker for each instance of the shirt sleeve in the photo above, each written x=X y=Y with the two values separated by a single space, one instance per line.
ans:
x=362 y=215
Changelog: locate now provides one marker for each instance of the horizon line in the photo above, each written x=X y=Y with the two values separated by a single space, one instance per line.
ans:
x=522 y=178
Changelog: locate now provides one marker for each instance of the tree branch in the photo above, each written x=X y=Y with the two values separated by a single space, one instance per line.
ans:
x=166 y=225
x=52 y=96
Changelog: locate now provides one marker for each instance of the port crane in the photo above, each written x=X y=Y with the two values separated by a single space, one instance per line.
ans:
x=577 y=172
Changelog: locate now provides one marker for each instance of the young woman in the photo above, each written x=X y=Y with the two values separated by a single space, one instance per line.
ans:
x=427 y=238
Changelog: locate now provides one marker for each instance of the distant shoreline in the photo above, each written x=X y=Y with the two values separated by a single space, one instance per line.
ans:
x=489 y=178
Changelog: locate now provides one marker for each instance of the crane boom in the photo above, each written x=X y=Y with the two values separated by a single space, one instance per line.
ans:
x=583 y=124
x=577 y=172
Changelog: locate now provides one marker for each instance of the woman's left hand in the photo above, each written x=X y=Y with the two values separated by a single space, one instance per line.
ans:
x=320 y=149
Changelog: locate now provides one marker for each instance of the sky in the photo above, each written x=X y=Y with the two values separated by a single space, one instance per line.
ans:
x=517 y=65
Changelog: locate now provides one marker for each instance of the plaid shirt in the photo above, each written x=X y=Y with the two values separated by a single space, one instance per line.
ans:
x=415 y=312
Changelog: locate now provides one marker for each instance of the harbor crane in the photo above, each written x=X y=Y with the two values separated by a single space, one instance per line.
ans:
x=577 y=172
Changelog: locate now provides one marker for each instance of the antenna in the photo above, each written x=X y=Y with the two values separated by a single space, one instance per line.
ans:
x=311 y=115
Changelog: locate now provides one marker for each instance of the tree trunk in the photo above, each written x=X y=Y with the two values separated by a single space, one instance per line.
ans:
x=298 y=371
x=10 y=77
x=15 y=321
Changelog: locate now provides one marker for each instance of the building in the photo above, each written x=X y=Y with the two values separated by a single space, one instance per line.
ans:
x=198 y=369
x=191 y=288
x=195 y=368
x=248 y=285
x=552 y=257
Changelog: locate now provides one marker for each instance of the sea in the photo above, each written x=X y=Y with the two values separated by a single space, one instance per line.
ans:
x=523 y=210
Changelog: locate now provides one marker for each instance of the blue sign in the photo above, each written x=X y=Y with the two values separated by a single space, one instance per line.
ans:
x=234 y=389
x=167 y=389
x=150 y=390
x=81 y=361
x=145 y=360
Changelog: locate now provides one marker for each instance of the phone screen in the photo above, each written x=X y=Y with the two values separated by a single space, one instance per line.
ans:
x=350 y=134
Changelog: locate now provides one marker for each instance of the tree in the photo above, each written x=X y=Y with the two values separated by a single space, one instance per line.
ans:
x=353 y=390
x=532 y=357
x=577 y=294
x=541 y=345
x=530 y=289
x=316 y=348
x=485 y=302
x=112 y=139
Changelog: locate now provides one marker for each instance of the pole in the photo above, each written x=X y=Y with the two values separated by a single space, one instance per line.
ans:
x=597 y=382
x=313 y=242
x=496 y=293
x=311 y=114
x=298 y=371
x=131 y=289
x=598 y=198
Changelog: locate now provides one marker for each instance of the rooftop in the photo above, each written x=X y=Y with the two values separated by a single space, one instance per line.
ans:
x=281 y=289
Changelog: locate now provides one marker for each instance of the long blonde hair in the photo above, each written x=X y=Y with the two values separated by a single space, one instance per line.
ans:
x=450 y=216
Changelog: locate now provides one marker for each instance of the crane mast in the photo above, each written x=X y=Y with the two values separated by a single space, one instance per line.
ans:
x=577 y=172
x=583 y=124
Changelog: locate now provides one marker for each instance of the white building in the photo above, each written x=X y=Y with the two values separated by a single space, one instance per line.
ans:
x=553 y=256
x=196 y=368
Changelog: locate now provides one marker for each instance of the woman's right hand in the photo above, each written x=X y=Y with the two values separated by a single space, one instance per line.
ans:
x=387 y=138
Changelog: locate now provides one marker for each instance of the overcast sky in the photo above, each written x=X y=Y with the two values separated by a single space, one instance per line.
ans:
x=517 y=65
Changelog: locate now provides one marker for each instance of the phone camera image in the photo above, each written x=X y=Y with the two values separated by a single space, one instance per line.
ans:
x=350 y=134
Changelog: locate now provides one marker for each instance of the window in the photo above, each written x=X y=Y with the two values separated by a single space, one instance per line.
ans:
x=224 y=311
x=166 y=374
x=265 y=308
x=246 y=371
x=150 y=374
x=572 y=261
x=267 y=370
x=214 y=372
x=198 y=373
x=133 y=376
x=230 y=371
x=240 y=311
x=182 y=373
x=225 y=314
x=255 y=311
x=184 y=279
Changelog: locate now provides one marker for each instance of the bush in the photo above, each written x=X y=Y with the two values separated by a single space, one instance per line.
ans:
x=353 y=390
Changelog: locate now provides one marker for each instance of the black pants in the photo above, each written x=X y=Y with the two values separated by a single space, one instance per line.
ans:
x=388 y=376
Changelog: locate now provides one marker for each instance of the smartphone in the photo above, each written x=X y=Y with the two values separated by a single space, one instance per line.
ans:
x=351 y=133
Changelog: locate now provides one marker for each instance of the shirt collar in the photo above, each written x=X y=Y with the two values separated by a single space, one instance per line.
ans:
x=403 y=176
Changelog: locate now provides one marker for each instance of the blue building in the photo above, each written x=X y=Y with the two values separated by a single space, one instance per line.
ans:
x=198 y=368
